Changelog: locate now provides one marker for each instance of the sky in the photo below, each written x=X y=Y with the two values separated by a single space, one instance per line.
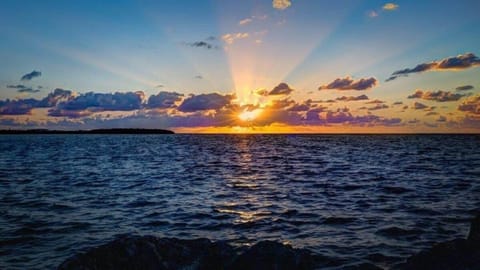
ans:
x=245 y=66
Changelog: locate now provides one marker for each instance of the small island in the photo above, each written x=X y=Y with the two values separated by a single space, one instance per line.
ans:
x=91 y=131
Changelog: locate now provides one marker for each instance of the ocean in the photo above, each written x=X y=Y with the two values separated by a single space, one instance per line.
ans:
x=353 y=198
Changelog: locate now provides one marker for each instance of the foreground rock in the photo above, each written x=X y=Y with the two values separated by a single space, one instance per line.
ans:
x=148 y=252
x=458 y=254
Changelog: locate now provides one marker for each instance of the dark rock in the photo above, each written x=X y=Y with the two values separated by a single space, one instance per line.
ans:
x=362 y=266
x=474 y=234
x=268 y=255
x=458 y=254
x=148 y=252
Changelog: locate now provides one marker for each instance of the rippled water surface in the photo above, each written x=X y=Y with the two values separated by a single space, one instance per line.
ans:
x=354 y=198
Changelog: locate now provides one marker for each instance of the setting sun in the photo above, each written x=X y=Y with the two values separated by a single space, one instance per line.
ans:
x=249 y=115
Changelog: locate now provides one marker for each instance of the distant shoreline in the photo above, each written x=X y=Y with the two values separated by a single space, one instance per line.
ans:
x=91 y=131
x=166 y=131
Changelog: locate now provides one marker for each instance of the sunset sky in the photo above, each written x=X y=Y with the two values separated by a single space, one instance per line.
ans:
x=241 y=66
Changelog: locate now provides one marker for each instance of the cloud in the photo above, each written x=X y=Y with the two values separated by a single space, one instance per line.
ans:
x=390 y=6
x=164 y=100
x=419 y=106
x=471 y=105
x=23 y=89
x=349 y=84
x=441 y=118
x=440 y=96
x=200 y=102
x=375 y=101
x=24 y=106
x=464 y=88
x=88 y=103
x=459 y=62
x=347 y=118
x=201 y=44
x=18 y=86
x=198 y=77
x=378 y=107
x=245 y=21
x=31 y=75
x=281 y=89
x=352 y=98
x=397 y=103
x=28 y=90
x=230 y=38
x=17 y=107
x=55 y=97
x=299 y=107
x=159 y=86
x=281 y=4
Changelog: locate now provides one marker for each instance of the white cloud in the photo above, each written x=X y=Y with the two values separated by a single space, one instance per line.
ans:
x=231 y=37
x=245 y=21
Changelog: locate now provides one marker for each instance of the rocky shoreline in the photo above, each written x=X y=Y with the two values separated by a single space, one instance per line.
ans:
x=149 y=252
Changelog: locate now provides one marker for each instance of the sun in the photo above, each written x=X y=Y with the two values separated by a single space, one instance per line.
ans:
x=248 y=116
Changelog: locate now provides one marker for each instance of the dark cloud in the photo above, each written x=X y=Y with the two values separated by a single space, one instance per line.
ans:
x=28 y=90
x=471 y=105
x=159 y=86
x=58 y=112
x=281 y=89
x=441 y=118
x=282 y=103
x=164 y=100
x=23 y=89
x=378 y=107
x=462 y=61
x=31 y=75
x=375 y=101
x=88 y=103
x=53 y=98
x=440 y=96
x=349 y=84
x=211 y=101
x=352 y=98
x=299 y=107
x=202 y=44
x=414 y=121
x=325 y=101
x=431 y=113
x=397 y=103
x=419 y=106
x=18 y=86
x=17 y=107
x=464 y=88
x=198 y=77
x=348 y=118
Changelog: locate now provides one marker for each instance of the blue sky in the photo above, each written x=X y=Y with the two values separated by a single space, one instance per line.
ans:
x=238 y=47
